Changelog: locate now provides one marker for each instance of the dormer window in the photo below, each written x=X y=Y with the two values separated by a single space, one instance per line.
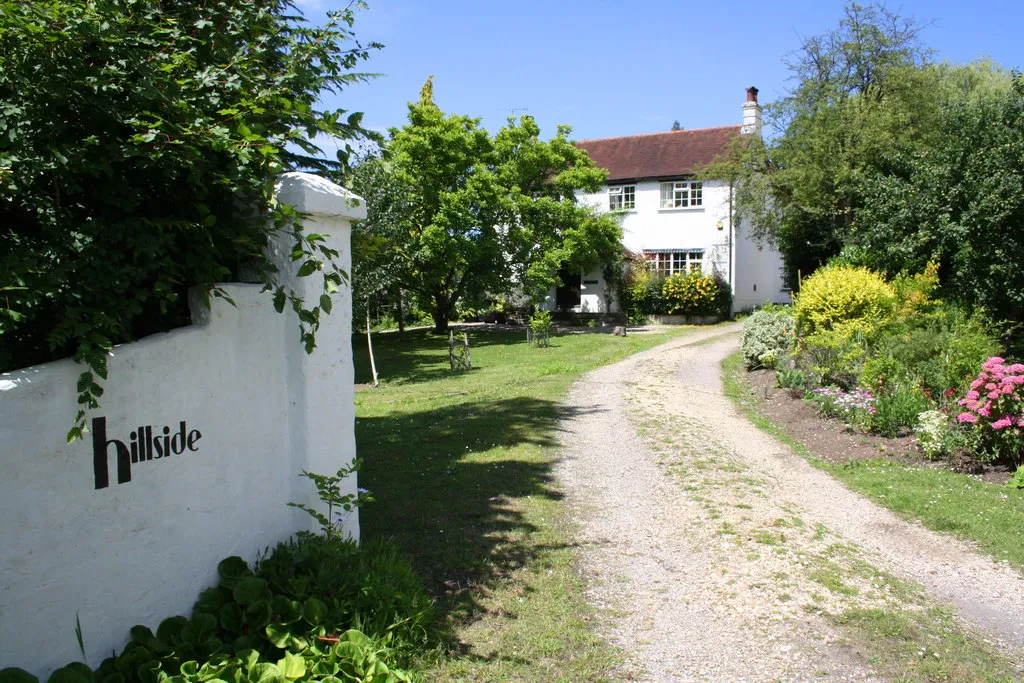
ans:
x=682 y=194
x=622 y=198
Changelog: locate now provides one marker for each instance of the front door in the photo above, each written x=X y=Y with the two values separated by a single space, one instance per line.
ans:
x=567 y=297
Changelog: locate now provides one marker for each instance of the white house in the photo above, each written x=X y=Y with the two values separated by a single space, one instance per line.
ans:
x=678 y=223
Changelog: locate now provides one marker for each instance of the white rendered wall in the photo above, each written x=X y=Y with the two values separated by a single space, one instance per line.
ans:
x=259 y=411
x=650 y=227
x=756 y=271
x=758 y=274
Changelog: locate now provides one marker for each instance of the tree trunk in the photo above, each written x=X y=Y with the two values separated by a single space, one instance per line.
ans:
x=440 y=319
x=399 y=313
x=443 y=307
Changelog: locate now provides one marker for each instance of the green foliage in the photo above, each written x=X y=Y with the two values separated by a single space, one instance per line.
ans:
x=328 y=489
x=1017 y=480
x=861 y=91
x=541 y=323
x=897 y=411
x=961 y=202
x=767 y=335
x=482 y=215
x=642 y=290
x=140 y=144
x=834 y=357
x=696 y=294
x=316 y=607
x=791 y=378
x=843 y=298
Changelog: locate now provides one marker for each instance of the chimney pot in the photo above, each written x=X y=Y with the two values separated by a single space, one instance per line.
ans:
x=752 y=94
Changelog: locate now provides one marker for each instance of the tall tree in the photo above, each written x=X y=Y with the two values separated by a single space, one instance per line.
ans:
x=860 y=93
x=960 y=202
x=487 y=213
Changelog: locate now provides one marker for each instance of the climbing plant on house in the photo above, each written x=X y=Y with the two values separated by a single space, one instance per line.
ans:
x=139 y=144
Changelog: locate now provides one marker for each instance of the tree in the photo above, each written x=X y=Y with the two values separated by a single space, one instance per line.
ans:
x=139 y=144
x=379 y=241
x=676 y=126
x=861 y=92
x=959 y=202
x=486 y=214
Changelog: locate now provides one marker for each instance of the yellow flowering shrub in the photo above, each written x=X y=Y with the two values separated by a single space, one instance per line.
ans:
x=838 y=297
x=695 y=294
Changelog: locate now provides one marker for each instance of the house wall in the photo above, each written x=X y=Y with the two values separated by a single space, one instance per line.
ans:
x=257 y=410
x=651 y=227
x=758 y=274
x=754 y=272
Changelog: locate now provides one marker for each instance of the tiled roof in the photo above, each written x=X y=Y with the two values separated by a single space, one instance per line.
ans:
x=658 y=155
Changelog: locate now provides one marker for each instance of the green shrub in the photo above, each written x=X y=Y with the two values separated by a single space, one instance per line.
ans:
x=286 y=612
x=792 y=379
x=641 y=290
x=317 y=606
x=764 y=333
x=897 y=412
x=833 y=357
x=840 y=297
x=971 y=342
x=695 y=294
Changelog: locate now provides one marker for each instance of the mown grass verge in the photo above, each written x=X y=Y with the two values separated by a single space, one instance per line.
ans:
x=461 y=467
x=981 y=512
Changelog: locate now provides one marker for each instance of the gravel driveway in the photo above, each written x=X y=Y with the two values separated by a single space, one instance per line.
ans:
x=715 y=553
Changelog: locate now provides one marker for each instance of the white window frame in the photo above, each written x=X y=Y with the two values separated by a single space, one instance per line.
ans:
x=622 y=198
x=682 y=194
x=670 y=263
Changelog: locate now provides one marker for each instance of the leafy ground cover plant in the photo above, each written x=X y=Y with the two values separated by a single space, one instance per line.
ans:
x=318 y=607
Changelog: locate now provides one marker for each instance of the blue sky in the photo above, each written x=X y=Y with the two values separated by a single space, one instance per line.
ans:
x=614 y=68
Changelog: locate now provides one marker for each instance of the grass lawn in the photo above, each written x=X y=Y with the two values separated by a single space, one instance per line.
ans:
x=989 y=515
x=461 y=467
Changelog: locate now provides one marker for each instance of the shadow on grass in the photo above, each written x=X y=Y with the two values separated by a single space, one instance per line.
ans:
x=420 y=355
x=451 y=486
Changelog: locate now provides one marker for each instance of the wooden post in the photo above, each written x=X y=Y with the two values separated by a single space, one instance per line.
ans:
x=369 y=345
x=469 y=363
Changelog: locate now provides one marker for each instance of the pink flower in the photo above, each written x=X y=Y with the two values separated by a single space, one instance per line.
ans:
x=1016 y=367
x=1020 y=421
x=1007 y=388
x=973 y=395
x=976 y=384
x=985 y=410
x=994 y=394
x=1002 y=423
x=995 y=359
x=990 y=386
x=967 y=417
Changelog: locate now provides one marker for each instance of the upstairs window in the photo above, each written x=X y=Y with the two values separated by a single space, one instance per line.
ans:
x=682 y=194
x=622 y=198
x=672 y=262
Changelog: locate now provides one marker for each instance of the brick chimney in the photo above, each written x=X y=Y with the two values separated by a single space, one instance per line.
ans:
x=751 y=114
